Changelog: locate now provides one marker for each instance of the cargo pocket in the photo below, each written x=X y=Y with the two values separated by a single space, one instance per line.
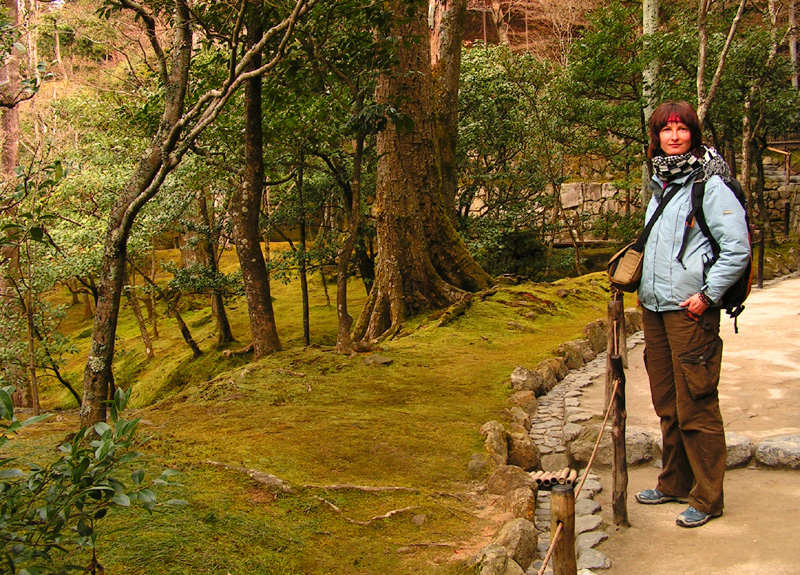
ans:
x=701 y=368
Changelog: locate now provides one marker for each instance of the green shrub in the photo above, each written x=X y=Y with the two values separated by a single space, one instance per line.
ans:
x=52 y=510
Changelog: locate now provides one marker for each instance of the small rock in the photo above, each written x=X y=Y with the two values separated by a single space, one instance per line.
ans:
x=525 y=400
x=588 y=540
x=782 y=451
x=419 y=519
x=586 y=523
x=522 y=452
x=740 y=450
x=520 y=416
x=522 y=502
x=494 y=560
x=377 y=360
x=571 y=431
x=586 y=507
x=519 y=537
x=593 y=559
x=507 y=478
x=478 y=465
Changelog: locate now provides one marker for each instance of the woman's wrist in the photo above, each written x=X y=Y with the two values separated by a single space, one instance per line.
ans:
x=705 y=299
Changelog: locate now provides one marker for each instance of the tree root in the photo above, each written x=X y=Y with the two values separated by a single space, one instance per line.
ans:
x=270 y=481
x=369 y=521
x=228 y=353
x=366 y=488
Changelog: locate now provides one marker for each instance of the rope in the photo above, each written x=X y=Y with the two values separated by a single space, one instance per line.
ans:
x=588 y=466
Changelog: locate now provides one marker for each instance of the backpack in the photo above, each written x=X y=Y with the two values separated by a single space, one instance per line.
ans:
x=733 y=299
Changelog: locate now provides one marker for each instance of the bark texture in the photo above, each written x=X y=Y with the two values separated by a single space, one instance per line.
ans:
x=245 y=210
x=447 y=32
x=422 y=263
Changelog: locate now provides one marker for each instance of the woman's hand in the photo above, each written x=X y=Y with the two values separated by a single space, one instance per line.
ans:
x=695 y=306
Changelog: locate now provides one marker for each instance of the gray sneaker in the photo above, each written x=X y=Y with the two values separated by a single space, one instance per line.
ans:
x=694 y=518
x=655 y=497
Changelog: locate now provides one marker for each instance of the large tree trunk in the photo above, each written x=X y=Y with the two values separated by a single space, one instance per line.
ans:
x=245 y=209
x=422 y=262
x=449 y=17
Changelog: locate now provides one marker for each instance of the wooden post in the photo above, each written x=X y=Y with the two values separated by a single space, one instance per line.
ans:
x=562 y=512
x=619 y=497
x=760 y=258
x=617 y=344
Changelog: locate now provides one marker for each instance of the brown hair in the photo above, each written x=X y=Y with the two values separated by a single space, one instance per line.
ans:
x=671 y=112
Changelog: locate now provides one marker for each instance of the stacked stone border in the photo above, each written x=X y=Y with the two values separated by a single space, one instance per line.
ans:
x=548 y=430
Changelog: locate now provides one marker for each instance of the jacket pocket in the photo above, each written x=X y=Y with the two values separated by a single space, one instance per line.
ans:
x=701 y=368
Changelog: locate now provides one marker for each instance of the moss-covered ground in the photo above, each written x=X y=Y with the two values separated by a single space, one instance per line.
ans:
x=317 y=419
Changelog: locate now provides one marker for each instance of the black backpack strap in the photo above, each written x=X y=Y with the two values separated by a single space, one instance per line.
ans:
x=697 y=216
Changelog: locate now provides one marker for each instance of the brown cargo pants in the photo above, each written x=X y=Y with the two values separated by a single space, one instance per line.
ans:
x=683 y=358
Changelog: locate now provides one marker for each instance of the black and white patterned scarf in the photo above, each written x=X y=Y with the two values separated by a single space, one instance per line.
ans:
x=670 y=168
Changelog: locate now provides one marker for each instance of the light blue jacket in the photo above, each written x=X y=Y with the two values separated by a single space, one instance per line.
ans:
x=666 y=282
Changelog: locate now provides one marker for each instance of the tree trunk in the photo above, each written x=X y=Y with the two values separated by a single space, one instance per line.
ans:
x=422 y=262
x=793 y=44
x=177 y=132
x=706 y=95
x=500 y=22
x=302 y=258
x=763 y=213
x=224 y=333
x=352 y=196
x=143 y=184
x=649 y=83
x=245 y=210
x=449 y=18
x=137 y=313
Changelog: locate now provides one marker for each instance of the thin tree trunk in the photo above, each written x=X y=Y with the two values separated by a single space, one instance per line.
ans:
x=353 y=219
x=33 y=383
x=152 y=310
x=137 y=313
x=793 y=44
x=302 y=258
x=245 y=209
x=649 y=83
x=224 y=332
x=706 y=96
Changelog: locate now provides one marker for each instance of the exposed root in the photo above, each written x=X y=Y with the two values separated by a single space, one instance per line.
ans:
x=456 y=310
x=228 y=353
x=369 y=521
x=366 y=488
x=270 y=481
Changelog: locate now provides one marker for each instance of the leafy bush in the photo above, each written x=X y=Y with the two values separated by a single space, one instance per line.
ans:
x=52 y=510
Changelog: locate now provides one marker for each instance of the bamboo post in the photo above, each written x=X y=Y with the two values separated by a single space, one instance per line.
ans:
x=619 y=497
x=617 y=344
x=562 y=512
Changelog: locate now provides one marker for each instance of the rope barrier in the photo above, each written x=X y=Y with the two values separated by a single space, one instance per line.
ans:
x=557 y=533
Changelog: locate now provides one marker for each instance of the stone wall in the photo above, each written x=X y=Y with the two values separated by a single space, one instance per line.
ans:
x=598 y=198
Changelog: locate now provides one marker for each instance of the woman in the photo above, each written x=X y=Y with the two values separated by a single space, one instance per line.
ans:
x=682 y=282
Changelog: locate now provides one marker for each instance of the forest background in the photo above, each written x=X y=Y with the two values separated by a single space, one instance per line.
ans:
x=397 y=158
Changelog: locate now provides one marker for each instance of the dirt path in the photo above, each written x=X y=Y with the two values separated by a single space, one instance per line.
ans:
x=759 y=397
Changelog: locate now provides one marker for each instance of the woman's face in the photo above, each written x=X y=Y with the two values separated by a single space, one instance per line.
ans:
x=675 y=138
